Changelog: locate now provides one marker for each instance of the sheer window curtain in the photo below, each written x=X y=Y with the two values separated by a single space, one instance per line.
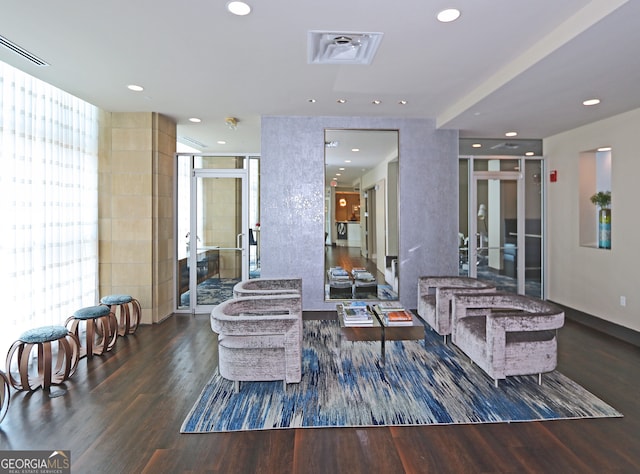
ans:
x=49 y=202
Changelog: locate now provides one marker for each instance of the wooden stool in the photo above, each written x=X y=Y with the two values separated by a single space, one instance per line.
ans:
x=5 y=395
x=127 y=311
x=100 y=326
x=68 y=350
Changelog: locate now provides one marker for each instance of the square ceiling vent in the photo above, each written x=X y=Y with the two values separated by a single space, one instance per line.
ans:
x=326 y=47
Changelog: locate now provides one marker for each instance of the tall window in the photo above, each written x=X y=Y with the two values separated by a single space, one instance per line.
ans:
x=48 y=202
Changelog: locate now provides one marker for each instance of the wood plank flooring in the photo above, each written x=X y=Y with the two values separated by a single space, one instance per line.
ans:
x=121 y=413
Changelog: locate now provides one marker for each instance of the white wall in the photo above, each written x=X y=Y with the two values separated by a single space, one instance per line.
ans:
x=590 y=279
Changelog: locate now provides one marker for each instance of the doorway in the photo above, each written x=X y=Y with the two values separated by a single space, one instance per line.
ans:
x=504 y=243
x=212 y=218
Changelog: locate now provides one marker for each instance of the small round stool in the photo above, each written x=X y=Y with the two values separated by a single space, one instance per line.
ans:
x=67 y=357
x=127 y=310
x=100 y=327
x=5 y=395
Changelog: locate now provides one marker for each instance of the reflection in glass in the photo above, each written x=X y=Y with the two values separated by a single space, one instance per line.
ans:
x=361 y=214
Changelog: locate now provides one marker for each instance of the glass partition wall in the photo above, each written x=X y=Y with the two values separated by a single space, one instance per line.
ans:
x=501 y=235
x=217 y=213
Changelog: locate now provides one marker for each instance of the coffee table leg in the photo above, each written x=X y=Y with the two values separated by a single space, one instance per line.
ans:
x=382 y=348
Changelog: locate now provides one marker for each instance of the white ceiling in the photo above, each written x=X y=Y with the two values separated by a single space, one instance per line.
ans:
x=504 y=65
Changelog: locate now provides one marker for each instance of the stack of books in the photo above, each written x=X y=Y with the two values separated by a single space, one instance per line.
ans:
x=338 y=273
x=356 y=314
x=393 y=314
x=362 y=274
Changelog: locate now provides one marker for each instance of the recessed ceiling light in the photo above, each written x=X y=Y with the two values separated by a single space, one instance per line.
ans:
x=511 y=134
x=135 y=88
x=195 y=120
x=347 y=161
x=604 y=148
x=221 y=142
x=448 y=15
x=341 y=169
x=338 y=174
x=529 y=153
x=355 y=149
x=341 y=101
x=402 y=102
x=591 y=102
x=238 y=8
x=477 y=145
x=311 y=101
x=376 y=102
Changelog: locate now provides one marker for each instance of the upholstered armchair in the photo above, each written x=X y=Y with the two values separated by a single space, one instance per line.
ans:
x=268 y=286
x=507 y=334
x=435 y=294
x=259 y=338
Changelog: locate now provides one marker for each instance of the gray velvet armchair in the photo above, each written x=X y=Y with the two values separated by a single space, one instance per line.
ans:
x=268 y=286
x=435 y=294
x=259 y=338
x=507 y=334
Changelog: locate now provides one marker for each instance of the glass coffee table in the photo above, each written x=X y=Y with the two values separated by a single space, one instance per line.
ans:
x=378 y=329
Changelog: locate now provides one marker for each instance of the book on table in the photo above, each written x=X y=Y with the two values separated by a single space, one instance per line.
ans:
x=338 y=273
x=362 y=274
x=389 y=306
x=356 y=314
x=398 y=318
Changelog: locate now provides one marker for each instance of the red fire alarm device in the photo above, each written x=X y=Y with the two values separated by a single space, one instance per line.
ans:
x=553 y=176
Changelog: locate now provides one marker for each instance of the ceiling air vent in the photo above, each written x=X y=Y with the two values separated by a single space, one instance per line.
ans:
x=192 y=142
x=10 y=45
x=325 y=47
x=506 y=146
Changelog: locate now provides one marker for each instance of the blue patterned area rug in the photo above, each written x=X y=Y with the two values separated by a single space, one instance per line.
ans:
x=344 y=385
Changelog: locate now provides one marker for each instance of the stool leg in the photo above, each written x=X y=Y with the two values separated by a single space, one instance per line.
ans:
x=136 y=315
x=5 y=395
x=44 y=364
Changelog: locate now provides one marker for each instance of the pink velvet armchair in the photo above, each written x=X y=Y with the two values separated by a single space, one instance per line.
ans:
x=259 y=338
x=507 y=334
x=435 y=294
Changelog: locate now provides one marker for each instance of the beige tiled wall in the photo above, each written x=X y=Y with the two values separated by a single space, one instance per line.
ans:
x=136 y=210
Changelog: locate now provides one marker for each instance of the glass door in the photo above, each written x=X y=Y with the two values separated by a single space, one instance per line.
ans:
x=219 y=233
x=505 y=225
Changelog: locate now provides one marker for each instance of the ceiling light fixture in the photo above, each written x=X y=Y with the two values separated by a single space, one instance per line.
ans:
x=195 y=120
x=529 y=153
x=591 y=102
x=511 y=134
x=221 y=142
x=355 y=149
x=604 y=148
x=402 y=102
x=376 y=102
x=238 y=8
x=231 y=122
x=341 y=101
x=135 y=88
x=448 y=15
x=476 y=145
x=311 y=101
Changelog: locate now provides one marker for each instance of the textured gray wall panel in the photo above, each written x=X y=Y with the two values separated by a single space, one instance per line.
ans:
x=292 y=200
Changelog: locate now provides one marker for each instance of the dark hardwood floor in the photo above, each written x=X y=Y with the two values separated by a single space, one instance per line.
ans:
x=121 y=413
